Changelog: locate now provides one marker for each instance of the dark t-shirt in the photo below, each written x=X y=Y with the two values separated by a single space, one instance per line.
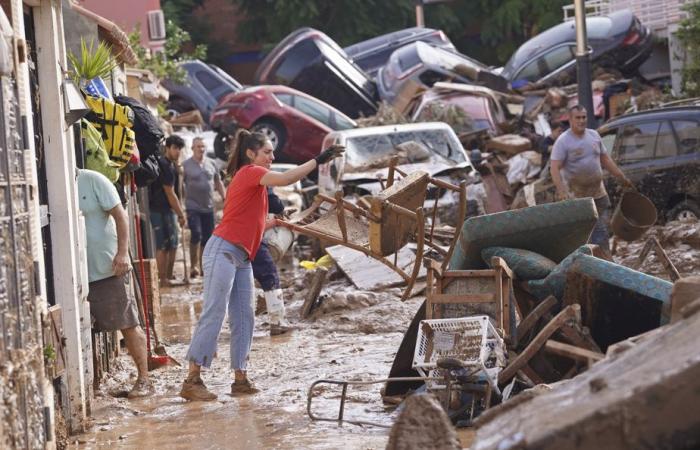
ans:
x=157 y=200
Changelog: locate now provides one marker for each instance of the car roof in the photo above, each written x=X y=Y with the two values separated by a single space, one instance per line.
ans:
x=676 y=112
x=359 y=48
x=565 y=32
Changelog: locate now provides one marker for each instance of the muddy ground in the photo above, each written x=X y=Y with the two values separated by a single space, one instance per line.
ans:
x=352 y=335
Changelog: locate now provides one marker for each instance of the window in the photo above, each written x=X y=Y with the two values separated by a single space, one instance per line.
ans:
x=209 y=81
x=638 y=142
x=666 y=142
x=688 y=133
x=558 y=57
x=609 y=142
x=294 y=62
x=342 y=122
x=532 y=71
x=313 y=109
x=430 y=77
x=287 y=99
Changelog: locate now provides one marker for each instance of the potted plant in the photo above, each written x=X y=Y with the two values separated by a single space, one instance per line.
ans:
x=92 y=67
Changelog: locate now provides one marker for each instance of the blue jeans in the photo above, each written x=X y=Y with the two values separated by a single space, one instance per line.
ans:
x=600 y=234
x=201 y=226
x=228 y=281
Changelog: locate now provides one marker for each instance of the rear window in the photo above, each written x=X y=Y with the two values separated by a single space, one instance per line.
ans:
x=342 y=122
x=363 y=150
x=314 y=109
x=209 y=81
x=294 y=61
x=408 y=59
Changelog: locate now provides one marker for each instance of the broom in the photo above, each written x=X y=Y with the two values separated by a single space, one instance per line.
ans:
x=162 y=358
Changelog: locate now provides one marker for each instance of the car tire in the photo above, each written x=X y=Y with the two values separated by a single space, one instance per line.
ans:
x=685 y=210
x=273 y=131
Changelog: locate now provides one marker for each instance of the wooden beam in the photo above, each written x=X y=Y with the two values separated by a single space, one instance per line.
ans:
x=568 y=313
x=572 y=352
x=535 y=315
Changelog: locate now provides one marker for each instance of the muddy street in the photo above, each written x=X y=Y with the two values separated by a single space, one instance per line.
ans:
x=345 y=340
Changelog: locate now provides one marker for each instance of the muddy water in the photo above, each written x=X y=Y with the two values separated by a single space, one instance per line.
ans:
x=352 y=337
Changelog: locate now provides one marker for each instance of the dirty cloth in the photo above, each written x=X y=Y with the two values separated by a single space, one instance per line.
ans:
x=580 y=157
x=228 y=283
x=523 y=167
x=112 y=303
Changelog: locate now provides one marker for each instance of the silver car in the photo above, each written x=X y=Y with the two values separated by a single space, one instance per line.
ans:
x=424 y=65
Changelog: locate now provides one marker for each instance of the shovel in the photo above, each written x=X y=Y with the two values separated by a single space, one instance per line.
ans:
x=184 y=255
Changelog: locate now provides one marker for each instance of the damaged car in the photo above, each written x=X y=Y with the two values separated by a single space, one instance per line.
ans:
x=420 y=64
x=432 y=147
x=311 y=62
x=618 y=41
x=659 y=150
x=372 y=54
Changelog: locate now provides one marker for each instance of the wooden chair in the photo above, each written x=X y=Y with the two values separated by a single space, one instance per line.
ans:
x=461 y=293
x=386 y=223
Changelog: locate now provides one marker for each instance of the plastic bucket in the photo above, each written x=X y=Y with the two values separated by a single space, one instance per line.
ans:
x=633 y=216
x=279 y=240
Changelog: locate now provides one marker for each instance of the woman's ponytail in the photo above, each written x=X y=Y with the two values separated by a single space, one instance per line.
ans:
x=243 y=140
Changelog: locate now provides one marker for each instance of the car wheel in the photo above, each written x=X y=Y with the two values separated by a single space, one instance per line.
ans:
x=685 y=210
x=273 y=131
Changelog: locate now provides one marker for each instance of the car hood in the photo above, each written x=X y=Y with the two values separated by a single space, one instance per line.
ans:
x=431 y=167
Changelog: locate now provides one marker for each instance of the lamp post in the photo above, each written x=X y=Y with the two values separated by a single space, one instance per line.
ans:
x=583 y=62
x=420 y=17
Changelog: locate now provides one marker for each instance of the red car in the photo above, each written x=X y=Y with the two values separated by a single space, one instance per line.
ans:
x=295 y=122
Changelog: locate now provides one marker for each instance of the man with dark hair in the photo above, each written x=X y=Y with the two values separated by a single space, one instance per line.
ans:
x=577 y=164
x=165 y=208
x=201 y=179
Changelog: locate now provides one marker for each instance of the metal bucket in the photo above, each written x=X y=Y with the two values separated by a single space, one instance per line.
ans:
x=279 y=240
x=633 y=216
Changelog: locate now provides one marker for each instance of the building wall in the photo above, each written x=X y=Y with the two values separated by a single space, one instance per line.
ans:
x=127 y=14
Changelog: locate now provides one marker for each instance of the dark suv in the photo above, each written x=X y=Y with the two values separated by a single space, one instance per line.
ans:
x=659 y=150
x=311 y=62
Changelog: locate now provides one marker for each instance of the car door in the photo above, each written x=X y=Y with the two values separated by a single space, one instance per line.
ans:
x=311 y=126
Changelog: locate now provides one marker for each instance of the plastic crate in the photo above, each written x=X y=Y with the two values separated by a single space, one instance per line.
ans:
x=472 y=340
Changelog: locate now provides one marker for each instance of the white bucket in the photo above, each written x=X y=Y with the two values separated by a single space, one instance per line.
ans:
x=279 y=240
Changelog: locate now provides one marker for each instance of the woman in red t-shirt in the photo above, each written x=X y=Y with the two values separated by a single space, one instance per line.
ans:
x=228 y=275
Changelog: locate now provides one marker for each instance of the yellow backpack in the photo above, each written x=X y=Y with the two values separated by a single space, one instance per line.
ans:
x=114 y=122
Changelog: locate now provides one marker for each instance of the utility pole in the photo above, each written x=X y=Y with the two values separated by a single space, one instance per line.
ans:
x=420 y=17
x=583 y=63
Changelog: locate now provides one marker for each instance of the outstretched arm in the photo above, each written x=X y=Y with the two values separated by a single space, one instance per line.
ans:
x=293 y=175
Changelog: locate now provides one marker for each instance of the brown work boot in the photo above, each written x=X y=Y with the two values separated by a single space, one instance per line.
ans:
x=277 y=328
x=195 y=390
x=142 y=388
x=243 y=387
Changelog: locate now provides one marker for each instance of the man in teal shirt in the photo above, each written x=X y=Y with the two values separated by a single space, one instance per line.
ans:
x=112 y=303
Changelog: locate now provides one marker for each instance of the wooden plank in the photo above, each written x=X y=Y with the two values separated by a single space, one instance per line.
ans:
x=317 y=281
x=487 y=273
x=461 y=298
x=367 y=273
x=571 y=351
x=568 y=313
x=540 y=310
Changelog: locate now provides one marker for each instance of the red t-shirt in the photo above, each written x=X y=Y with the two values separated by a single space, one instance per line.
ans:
x=245 y=210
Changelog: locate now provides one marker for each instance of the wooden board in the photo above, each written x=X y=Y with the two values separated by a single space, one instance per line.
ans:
x=367 y=273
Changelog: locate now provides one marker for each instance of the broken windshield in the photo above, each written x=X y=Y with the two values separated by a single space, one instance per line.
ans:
x=361 y=150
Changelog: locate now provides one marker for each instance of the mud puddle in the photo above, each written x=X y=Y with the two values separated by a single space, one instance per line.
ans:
x=353 y=335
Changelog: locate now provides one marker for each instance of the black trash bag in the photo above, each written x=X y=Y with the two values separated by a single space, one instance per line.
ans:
x=149 y=135
x=148 y=172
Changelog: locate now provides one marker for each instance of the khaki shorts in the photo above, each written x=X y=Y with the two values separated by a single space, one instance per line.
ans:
x=112 y=303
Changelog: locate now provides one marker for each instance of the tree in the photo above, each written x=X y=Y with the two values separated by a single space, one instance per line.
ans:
x=164 y=64
x=689 y=37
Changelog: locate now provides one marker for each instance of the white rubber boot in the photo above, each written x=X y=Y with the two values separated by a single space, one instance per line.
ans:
x=276 y=312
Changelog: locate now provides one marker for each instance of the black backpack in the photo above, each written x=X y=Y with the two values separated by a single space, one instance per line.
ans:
x=149 y=138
